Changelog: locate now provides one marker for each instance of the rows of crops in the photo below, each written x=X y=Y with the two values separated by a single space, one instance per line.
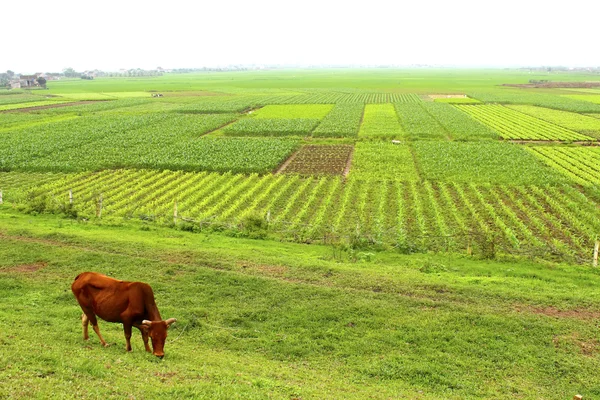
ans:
x=458 y=125
x=570 y=120
x=577 y=104
x=426 y=215
x=511 y=124
x=141 y=141
x=419 y=124
x=336 y=97
x=579 y=164
x=342 y=121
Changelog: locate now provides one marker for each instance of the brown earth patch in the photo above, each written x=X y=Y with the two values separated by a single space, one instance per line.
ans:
x=556 y=313
x=319 y=160
x=75 y=103
x=264 y=269
x=25 y=268
x=587 y=347
x=286 y=162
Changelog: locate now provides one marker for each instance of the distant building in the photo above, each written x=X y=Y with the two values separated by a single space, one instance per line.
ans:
x=28 y=81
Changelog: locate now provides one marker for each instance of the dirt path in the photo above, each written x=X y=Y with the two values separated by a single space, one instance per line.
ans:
x=75 y=103
x=286 y=162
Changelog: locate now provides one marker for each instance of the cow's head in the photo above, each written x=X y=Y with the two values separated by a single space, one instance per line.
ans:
x=157 y=330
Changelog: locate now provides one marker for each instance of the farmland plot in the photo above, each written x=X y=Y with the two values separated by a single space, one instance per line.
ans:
x=320 y=159
x=415 y=216
x=579 y=164
x=418 y=123
x=481 y=162
x=343 y=121
x=457 y=124
x=340 y=98
x=271 y=127
x=306 y=111
x=380 y=121
x=512 y=124
x=383 y=161
x=576 y=104
x=280 y=120
x=570 y=120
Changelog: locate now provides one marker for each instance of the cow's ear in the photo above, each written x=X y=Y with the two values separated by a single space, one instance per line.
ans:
x=147 y=323
x=170 y=321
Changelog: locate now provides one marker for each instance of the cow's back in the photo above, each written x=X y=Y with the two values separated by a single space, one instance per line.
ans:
x=103 y=295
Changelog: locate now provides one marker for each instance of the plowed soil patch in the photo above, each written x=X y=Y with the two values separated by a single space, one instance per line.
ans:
x=25 y=268
x=75 y=103
x=320 y=160
x=557 y=313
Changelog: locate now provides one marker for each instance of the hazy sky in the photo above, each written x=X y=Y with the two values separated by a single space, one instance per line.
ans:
x=108 y=35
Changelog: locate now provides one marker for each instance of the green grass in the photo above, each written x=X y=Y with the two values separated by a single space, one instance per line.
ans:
x=273 y=320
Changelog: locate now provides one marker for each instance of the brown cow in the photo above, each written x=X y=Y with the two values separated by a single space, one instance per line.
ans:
x=131 y=303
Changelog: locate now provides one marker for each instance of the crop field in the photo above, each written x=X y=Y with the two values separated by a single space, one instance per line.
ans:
x=343 y=121
x=216 y=150
x=570 y=120
x=443 y=215
x=511 y=124
x=581 y=164
x=380 y=121
x=318 y=234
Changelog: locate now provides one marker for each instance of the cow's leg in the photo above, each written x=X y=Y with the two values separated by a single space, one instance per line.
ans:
x=127 y=330
x=84 y=323
x=92 y=319
x=144 y=333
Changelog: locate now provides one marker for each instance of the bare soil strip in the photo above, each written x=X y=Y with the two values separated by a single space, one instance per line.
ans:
x=287 y=162
x=216 y=129
x=75 y=103
x=24 y=268
x=348 y=163
x=556 y=313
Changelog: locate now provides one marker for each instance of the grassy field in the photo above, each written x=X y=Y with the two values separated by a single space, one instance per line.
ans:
x=259 y=319
x=317 y=233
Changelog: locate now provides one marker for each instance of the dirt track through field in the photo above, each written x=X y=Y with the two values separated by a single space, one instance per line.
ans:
x=75 y=103
x=287 y=162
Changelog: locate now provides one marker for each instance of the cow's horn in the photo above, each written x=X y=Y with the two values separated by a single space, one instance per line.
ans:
x=146 y=322
x=170 y=321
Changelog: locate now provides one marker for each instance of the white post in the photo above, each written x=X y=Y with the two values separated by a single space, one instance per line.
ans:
x=70 y=196
x=1 y=197
x=596 y=247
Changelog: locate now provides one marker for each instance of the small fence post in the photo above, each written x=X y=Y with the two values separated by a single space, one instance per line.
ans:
x=596 y=248
x=70 y=196
x=1 y=201
x=175 y=212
